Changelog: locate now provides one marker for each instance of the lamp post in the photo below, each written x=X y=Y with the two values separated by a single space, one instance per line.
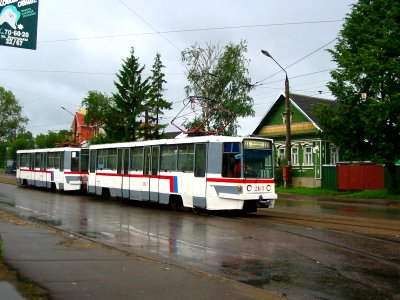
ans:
x=288 y=153
x=75 y=123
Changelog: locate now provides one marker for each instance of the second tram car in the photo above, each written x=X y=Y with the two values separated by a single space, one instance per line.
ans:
x=63 y=169
x=208 y=172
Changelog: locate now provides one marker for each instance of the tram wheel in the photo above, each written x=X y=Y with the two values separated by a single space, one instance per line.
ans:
x=175 y=203
x=105 y=194
x=196 y=210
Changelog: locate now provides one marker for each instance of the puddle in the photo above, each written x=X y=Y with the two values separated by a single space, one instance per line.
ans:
x=95 y=235
x=46 y=221
x=297 y=278
x=354 y=209
x=7 y=203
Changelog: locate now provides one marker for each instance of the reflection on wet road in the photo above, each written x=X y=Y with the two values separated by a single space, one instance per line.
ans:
x=300 y=262
x=388 y=210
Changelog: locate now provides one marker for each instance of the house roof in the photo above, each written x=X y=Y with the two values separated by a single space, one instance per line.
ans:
x=304 y=104
x=81 y=121
x=80 y=118
x=307 y=104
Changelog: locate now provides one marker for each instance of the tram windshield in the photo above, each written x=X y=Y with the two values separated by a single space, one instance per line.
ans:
x=257 y=159
x=252 y=159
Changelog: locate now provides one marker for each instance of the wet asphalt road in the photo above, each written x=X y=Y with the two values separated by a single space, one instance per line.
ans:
x=298 y=261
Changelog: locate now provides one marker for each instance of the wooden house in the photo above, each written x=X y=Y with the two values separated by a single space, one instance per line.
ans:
x=309 y=149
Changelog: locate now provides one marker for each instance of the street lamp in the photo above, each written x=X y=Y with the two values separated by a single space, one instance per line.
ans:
x=75 y=122
x=288 y=155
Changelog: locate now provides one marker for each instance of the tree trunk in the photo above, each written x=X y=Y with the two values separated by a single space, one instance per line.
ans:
x=393 y=181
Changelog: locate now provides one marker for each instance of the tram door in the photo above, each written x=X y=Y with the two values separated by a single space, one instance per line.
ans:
x=154 y=178
x=146 y=174
x=199 y=187
x=92 y=171
x=125 y=172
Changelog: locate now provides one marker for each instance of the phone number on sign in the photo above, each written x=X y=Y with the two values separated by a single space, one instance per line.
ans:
x=14 y=41
x=16 y=33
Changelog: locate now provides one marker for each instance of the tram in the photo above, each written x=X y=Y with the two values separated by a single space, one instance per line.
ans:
x=205 y=172
x=64 y=169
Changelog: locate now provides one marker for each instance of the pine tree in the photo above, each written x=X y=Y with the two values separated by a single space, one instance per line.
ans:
x=129 y=102
x=156 y=104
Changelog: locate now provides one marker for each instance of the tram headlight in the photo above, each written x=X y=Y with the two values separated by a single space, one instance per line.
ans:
x=268 y=188
x=249 y=188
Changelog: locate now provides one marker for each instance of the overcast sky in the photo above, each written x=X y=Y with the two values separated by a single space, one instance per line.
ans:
x=81 y=45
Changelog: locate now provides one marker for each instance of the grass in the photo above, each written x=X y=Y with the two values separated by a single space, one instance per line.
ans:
x=376 y=194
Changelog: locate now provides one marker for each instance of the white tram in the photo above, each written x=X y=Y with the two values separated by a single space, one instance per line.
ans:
x=208 y=172
x=56 y=168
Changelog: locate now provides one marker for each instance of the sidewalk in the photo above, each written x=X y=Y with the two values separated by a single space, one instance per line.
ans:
x=70 y=267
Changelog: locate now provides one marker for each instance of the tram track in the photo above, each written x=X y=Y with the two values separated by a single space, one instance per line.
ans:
x=376 y=227
x=381 y=231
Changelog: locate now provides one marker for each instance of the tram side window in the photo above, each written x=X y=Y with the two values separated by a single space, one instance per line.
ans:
x=112 y=159
x=169 y=155
x=50 y=160
x=93 y=160
x=40 y=161
x=84 y=160
x=231 y=160
x=57 y=160
x=200 y=160
x=102 y=159
x=25 y=159
x=137 y=159
x=32 y=162
x=53 y=160
x=75 y=161
x=62 y=161
x=186 y=157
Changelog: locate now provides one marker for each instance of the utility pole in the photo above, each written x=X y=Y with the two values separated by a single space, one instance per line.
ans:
x=75 y=123
x=287 y=170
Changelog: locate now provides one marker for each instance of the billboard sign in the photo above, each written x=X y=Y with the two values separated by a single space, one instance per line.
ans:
x=18 y=23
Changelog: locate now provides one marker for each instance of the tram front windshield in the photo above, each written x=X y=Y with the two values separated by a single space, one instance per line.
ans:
x=257 y=159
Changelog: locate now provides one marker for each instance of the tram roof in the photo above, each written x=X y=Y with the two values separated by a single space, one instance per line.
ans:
x=61 y=149
x=184 y=140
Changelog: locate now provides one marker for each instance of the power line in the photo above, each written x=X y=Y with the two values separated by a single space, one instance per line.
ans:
x=38 y=95
x=74 y=72
x=148 y=24
x=298 y=76
x=55 y=71
x=45 y=125
x=186 y=30
x=297 y=61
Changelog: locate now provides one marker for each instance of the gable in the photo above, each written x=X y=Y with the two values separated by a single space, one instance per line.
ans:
x=273 y=123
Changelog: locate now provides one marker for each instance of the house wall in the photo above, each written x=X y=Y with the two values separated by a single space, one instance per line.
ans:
x=308 y=174
x=306 y=182
x=305 y=138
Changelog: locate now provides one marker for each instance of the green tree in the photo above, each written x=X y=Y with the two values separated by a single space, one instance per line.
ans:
x=367 y=55
x=156 y=104
x=22 y=141
x=97 y=106
x=219 y=76
x=129 y=102
x=11 y=120
x=52 y=139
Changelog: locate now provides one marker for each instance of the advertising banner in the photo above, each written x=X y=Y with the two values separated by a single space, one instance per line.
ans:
x=18 y=23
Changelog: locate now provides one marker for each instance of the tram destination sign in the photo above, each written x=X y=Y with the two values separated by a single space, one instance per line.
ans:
x=18 y=23
x=257 y=144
